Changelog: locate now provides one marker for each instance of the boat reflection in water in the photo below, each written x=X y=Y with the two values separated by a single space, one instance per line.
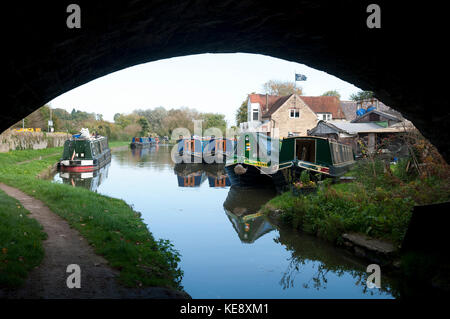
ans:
x=194 y=174
x=241 y=207
x=143 y=154
x=88 y=180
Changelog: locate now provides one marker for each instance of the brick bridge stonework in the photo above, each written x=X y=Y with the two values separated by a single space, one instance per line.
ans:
x=402 y=62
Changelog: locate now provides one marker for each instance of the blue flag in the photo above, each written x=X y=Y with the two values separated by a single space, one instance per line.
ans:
x=300 y=77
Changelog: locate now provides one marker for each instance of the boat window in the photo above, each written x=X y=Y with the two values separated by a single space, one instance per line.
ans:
x=305 y=150
x=341 y=153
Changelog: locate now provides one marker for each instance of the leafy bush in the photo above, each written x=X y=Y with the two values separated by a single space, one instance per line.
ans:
x=378 y=205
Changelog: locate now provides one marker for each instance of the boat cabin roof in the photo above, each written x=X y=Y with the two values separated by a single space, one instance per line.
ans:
x=306 y=137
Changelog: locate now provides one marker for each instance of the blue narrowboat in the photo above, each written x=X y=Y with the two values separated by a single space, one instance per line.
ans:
x=204 y=150
x=142 y=142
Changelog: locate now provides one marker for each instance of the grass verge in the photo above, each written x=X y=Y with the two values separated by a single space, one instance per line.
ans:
x=115 y=144
x=20 y=242
x=110 y=225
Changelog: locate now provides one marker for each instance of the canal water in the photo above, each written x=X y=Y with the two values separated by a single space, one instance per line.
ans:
x=227 y=249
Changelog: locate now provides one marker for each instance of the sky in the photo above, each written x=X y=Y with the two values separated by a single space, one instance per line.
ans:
x=216 y=83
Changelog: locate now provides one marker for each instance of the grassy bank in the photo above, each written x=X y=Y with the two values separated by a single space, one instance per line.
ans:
x=378 y=203
x=110 y=225
x=20 y=242
x=116 y=144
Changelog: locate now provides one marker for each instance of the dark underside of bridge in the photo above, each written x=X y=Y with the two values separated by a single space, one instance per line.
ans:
x=401 y=62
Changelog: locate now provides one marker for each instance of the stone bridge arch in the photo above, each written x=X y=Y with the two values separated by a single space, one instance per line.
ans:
x=42 y=58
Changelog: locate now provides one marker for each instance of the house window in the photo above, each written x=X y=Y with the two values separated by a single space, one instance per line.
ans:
x=255 y=115
x=324 y=116
x=294 y=113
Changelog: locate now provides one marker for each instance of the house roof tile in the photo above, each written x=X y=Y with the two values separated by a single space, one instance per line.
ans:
x=325 y=104
x=318 y=104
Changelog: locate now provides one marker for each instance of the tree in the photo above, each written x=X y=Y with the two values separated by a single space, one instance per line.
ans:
x=182 y=117
x=361 y=95
x=116 y=116
x=241 y=113
x=214 y=120
x=155 y=118
x=145 y=126
x=281 y=88
x=332 y=93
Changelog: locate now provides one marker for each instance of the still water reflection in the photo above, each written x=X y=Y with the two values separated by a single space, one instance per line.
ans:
x=228 y=249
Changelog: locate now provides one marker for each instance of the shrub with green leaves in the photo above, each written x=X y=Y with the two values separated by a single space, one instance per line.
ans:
x=378 y=204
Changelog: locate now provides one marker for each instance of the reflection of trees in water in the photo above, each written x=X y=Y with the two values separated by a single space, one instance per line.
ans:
x=326 y=260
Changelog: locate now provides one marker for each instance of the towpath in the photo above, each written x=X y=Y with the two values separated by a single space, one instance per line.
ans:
x=65 y=246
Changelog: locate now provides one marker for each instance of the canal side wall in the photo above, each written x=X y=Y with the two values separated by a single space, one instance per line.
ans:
x=12 y=140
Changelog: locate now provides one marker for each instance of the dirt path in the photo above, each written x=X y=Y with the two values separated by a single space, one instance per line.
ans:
x=65 y=246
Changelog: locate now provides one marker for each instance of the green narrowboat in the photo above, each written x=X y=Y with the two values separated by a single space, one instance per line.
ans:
x=317 y=154
x=261 y=161
x=85 y=153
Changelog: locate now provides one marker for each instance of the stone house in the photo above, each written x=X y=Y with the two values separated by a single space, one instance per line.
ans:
x=289 y=115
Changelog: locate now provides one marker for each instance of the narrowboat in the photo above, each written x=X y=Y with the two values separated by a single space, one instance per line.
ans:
x=142 y=142
x=189 y=150
x=209 y=150
x=85 y=153
x=218 y=149
x=259 y=161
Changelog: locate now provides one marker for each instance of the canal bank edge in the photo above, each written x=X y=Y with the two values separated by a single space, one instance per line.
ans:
x=374 y=250
x=418 y=259
x=24 y=178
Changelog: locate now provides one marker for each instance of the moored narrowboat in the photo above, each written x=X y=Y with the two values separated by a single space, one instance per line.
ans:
x=85 y=153
x=142 y=142
x=190 y=150
x=259 y=161
x=208 y=150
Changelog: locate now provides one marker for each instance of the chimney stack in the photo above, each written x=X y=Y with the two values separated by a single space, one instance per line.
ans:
x=267 y=102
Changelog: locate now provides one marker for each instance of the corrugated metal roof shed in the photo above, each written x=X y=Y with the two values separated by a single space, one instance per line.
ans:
x=354 y=128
